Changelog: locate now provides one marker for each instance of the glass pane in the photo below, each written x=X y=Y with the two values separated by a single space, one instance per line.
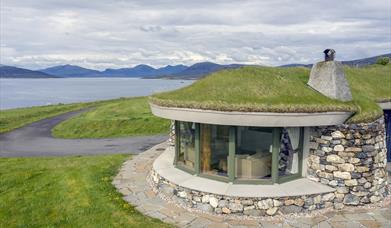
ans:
x=288 y=163
x=214 y=149
x=253 y=158
x=186 y=156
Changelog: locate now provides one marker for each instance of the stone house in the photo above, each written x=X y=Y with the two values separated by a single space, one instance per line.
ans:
x=272 y=159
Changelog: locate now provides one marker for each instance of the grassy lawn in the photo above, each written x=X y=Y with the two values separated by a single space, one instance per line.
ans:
x=14 y=118
x=65 y=192
x=122 y=117
x=274 y=89
x=110 y=118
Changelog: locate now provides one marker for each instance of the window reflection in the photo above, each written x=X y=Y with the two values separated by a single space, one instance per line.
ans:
x=214 y=149
x=186 y=156
x=253 y=157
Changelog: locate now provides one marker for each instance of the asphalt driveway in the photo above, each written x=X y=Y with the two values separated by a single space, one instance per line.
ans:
x=36 y=140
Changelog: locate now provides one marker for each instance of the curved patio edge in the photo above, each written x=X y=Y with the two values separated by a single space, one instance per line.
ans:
x=259 y=119
x=163 y=166
x=133 y=181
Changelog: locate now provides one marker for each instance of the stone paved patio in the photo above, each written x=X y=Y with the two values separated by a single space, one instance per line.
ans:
x=132 y=182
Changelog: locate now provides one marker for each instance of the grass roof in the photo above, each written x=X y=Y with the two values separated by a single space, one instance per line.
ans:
x=274 y=89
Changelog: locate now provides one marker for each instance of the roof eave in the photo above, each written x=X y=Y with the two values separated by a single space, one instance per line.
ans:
x=259 y=119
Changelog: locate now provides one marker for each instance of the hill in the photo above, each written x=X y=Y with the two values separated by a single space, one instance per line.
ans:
x=355 y=63
x=365 y=61
x=169 y=70
x=202 y=69
x=143 y=71
x=71 y=71
x=16 y=72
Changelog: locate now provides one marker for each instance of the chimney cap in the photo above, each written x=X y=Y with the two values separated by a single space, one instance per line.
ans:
x=329 y=54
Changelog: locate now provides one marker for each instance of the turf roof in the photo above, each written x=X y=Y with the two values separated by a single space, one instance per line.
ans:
x=274 y=89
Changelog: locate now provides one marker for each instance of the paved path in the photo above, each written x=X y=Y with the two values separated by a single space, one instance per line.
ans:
x=36 y=140
x=132 y=182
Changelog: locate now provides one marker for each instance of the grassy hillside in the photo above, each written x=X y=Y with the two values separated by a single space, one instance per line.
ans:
x=117 y=118
x=65 y=192
x=369 y=85
x=269 y=89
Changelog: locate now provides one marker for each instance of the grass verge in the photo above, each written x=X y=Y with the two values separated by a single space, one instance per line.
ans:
x=118 y=118
x=109 y=118
x=65 y=192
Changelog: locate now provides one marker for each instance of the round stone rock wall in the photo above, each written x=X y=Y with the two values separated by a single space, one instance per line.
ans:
x=349 y=158
x=352 y=159
x=249 y=206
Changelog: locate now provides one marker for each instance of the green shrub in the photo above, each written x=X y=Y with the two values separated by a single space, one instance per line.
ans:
x=383 y=61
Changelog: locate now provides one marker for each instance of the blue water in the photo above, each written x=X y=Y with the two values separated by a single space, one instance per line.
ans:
x=16 y=93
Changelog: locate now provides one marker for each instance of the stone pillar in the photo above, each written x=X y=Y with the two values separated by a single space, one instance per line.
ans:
x=351 y=159
x=171 y=137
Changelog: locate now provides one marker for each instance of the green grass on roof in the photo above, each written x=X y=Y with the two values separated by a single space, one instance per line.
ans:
x=273 y=89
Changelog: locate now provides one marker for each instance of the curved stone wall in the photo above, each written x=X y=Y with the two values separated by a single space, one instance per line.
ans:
x=251 y=206
x=352 y=159
x=349 y=158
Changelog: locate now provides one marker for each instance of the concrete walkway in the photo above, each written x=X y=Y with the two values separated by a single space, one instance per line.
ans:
x=36 y=140
x=132 y=182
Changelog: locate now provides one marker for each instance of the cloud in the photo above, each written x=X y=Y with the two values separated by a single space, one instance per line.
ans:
x=101 y=33
x=151 y=28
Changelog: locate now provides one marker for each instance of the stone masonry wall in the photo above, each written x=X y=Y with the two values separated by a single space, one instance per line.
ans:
x=352 y=159
x=349 y=158
x=251 y=206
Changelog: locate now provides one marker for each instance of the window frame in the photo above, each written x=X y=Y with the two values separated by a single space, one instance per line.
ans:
x=198 y=154
x=283 y=179
x=275 y=178
x=177 y=150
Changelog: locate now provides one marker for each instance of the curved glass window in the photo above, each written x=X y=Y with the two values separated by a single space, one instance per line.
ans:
x=239 y=154
x=253 y=158
x=214 y=150
x=186 y=153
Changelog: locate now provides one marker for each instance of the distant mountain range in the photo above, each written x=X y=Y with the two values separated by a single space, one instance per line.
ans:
x=16 y=72
x=71 y=71
x=177 y=71
x=143 y=71
x=201 y=69
x=353 y=63
x=137 y=71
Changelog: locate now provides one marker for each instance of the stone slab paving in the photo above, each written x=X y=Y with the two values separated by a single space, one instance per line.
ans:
x=134 y=183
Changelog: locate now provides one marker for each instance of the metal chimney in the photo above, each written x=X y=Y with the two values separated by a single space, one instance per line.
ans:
x=329 y=54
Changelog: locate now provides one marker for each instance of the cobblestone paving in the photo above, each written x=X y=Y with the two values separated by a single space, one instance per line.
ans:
x=132 y=182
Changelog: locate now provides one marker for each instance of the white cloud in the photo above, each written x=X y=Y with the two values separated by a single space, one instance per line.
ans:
x=100 y=34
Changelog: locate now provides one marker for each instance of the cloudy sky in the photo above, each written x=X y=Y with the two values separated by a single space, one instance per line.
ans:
x=112 y=34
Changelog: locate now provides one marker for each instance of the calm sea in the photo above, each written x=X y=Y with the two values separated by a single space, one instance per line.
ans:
x=15 y=93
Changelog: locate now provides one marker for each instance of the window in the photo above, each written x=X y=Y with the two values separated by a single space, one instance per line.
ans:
x=239 y=154
x=214 y=150
x=288 y=163
x=186 y=153
x=253 y=158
